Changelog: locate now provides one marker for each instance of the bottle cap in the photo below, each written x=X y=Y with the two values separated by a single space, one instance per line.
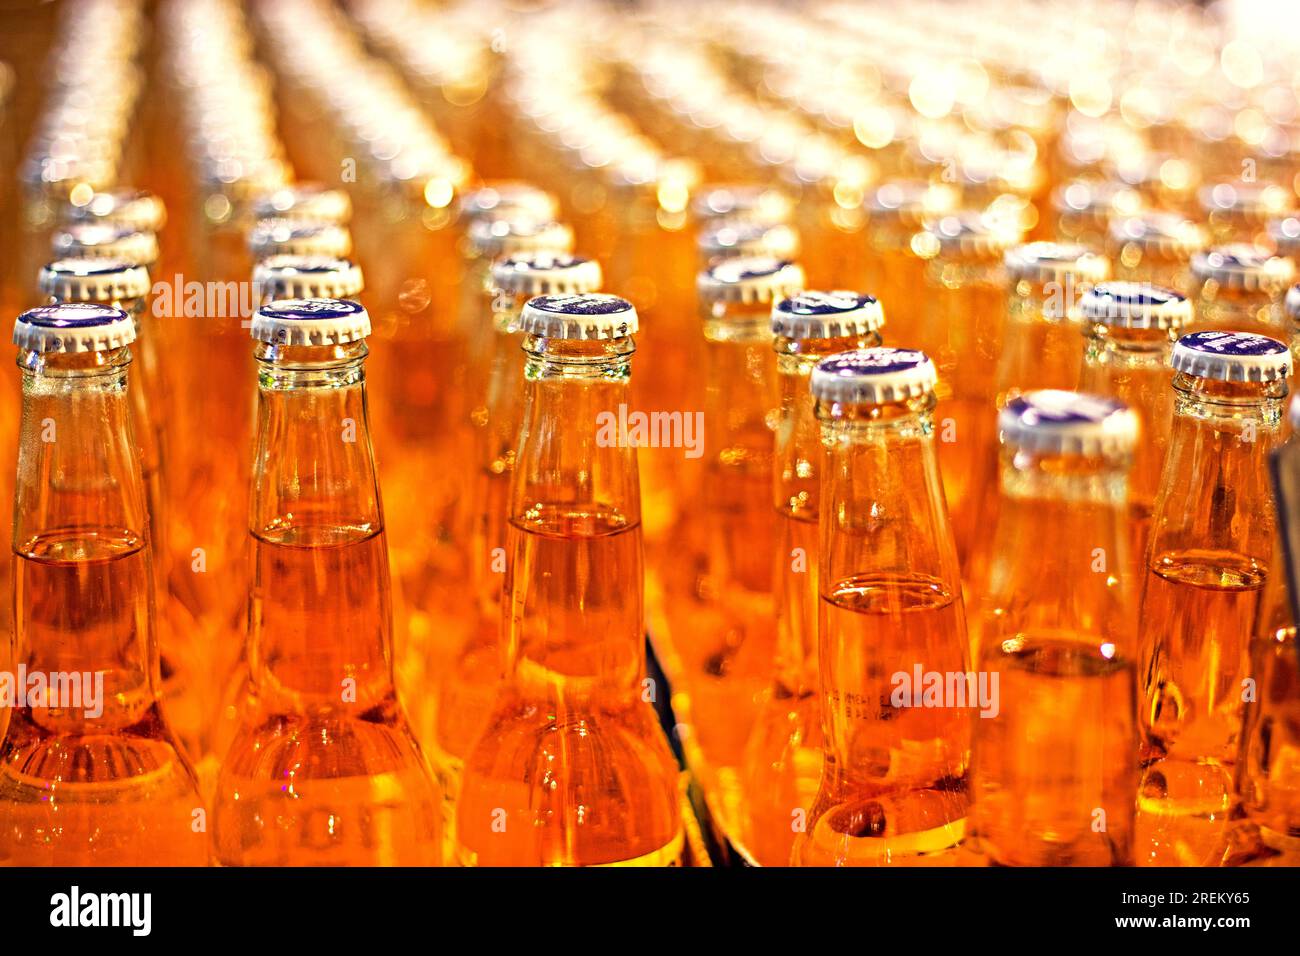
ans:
x=546 y=273
x=826 y=315
x=1135 y=305
x=74 y=327
x=748 y=201
x=1160 y=233
x=910 y=202
x=1292 y=304
x=590 y=315
x=1071 y=423
x=749 y=280
x=307 y=277
x=1041 y=262
x=1232 y=357
x=311 y=322
x=1244 y=199
x=133 y=209
x=311 y=201
x=493 y=238
x=94 y=280
x=103 y=240
x=1285 y=234
x=726 y=238
x=874 y=376
x=1243 y=266
x=968 y=233
x=1098 y=199
x=298 y=237
x=508 y=198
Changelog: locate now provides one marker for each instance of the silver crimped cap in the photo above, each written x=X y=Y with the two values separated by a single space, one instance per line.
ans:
x=299 y=237
x=1243 y=266
x=1069 y=423
x=311 y=322
x=749 y=201
x=591 y=315
x=508 y=236
x=1232 y=356
x=506 y=198
x=133 y=209
x=74 y=327
x=94 y=280
x=546 y=273
x=1162 y=233
x=967 y=232
x=1041 y=262
x=1135 y=305
x=727 y=238
x=749 y=279
x=307 y=277
x=312 y=201
x=104 y=240
x=874 y=376
x=826 y=315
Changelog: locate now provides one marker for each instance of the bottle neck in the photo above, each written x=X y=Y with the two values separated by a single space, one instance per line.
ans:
x=575 y=575
x=320 y=618
x=882 y=507
x=1059 y=565
x=1215 y=494
x=83 y=580
x=797 y=475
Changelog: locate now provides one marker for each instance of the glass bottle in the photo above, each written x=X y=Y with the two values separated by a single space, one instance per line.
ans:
x=90 y=775
x=1156 y=247
x=782 y=764
x=1239 y=288
x=323 y=769
x=893 y=789
x=572 y=767
x=716 y=568
x=1212 y=541
x=467 y=675
x=1055 y=748
x=1130 y=331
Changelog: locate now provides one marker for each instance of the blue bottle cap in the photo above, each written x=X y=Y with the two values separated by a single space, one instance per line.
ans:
x=74 y=327
x=1232 y=357
x=1069 y=423
x=874 y=376
x=749 y=279
x=546 y=273
x=311 y=322
x=307 y=277
x=1135 y=305
x=592 y=315
x=825 y=315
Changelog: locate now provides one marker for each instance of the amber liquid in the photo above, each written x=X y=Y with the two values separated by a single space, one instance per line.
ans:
x=783 y=760
x=1056 y=769
x=732 y=635
x=894 y=789
x=1198 y=612
x=572 y=769
x=324 y=770
x=77 y=790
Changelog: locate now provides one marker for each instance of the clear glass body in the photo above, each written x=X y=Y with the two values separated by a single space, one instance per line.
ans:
x=323 y=769
x=80 y=788
x=1055 y=771
x=961 y=330
x=1133 y=365
x=1267 y=782
x=1212 y=540
x=1224 y=308
x=782 y=765
x=894 y=774
x=572 y=768
x=718 y=567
